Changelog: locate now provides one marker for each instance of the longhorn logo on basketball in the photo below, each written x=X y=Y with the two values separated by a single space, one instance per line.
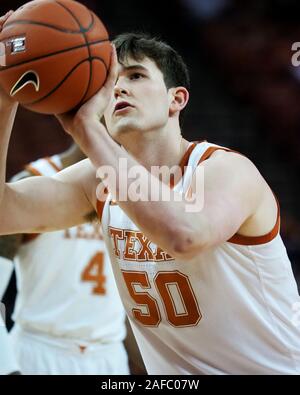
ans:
x=137 y=184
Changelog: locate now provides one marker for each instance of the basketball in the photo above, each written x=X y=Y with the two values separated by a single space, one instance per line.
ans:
x=57 y=55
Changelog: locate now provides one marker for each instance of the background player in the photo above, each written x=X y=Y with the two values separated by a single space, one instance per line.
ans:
x=68 y=314
x=184 y=278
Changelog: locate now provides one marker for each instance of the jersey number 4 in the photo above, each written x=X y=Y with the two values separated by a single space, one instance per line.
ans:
x=176 y=293
x=93 y=272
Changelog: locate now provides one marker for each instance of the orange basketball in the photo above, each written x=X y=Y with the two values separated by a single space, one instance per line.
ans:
x=57 y=55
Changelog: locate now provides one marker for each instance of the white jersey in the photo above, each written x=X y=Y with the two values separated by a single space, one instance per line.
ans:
x=227 y=311
x=65 y=284
x=8 y=363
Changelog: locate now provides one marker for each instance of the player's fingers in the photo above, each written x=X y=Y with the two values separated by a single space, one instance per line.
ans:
x=113 y=70
x=4 y=18
x=98 y=103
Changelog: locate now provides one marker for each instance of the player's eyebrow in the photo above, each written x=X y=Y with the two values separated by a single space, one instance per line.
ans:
x=135 y=67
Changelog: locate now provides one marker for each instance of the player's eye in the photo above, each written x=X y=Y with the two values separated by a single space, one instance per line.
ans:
x=136 y=76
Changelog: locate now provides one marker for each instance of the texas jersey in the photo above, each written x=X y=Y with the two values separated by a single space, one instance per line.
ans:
x=227 y=311
x=66 y=287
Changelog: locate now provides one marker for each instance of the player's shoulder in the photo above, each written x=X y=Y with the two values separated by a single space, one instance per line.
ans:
x=233 y=161
x=232 y=170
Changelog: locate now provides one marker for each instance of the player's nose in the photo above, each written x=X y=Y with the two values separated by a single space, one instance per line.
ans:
x=120 y=91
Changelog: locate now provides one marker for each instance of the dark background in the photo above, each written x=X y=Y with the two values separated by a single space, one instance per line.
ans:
x=245 y=91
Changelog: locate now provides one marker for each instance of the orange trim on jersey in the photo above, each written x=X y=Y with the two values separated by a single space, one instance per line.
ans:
x=32 y=170
x=183 y=163
x=207 y=154
x=100 y=208
x=100 y=204
x=256 y=240
x=240 y=239
x=186 y=156
x=51 y=163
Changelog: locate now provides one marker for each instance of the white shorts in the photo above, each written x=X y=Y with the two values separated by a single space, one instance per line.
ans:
x=44 y=354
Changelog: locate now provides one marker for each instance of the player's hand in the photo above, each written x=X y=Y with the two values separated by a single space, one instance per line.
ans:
x=4 y=18
x=94 y=108
x=4 y=98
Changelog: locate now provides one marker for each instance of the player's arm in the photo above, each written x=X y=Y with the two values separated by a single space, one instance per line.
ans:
x=9 y=244
x=233 y=187
x=234 y=196
x=234 y=191
x=41 y=204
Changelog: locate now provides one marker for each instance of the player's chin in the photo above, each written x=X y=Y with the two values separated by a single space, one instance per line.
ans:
x=125 y=125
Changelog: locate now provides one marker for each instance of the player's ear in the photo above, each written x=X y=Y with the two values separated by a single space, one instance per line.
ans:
x=179 y=98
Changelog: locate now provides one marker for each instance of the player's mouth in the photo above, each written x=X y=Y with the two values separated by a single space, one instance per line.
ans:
x=122 y=106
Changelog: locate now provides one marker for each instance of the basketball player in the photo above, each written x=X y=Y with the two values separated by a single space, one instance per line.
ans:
x=79 y=328
x=207 y=292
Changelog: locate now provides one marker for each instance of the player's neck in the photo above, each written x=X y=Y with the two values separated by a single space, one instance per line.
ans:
x=157 y=148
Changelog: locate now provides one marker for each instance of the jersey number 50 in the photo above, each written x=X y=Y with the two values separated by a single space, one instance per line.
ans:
x=175 y=291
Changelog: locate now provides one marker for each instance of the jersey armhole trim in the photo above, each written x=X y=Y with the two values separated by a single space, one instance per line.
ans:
x=237 y=238
x=100 y=205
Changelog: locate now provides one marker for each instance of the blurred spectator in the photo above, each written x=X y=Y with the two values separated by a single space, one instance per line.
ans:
x=206 y=9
